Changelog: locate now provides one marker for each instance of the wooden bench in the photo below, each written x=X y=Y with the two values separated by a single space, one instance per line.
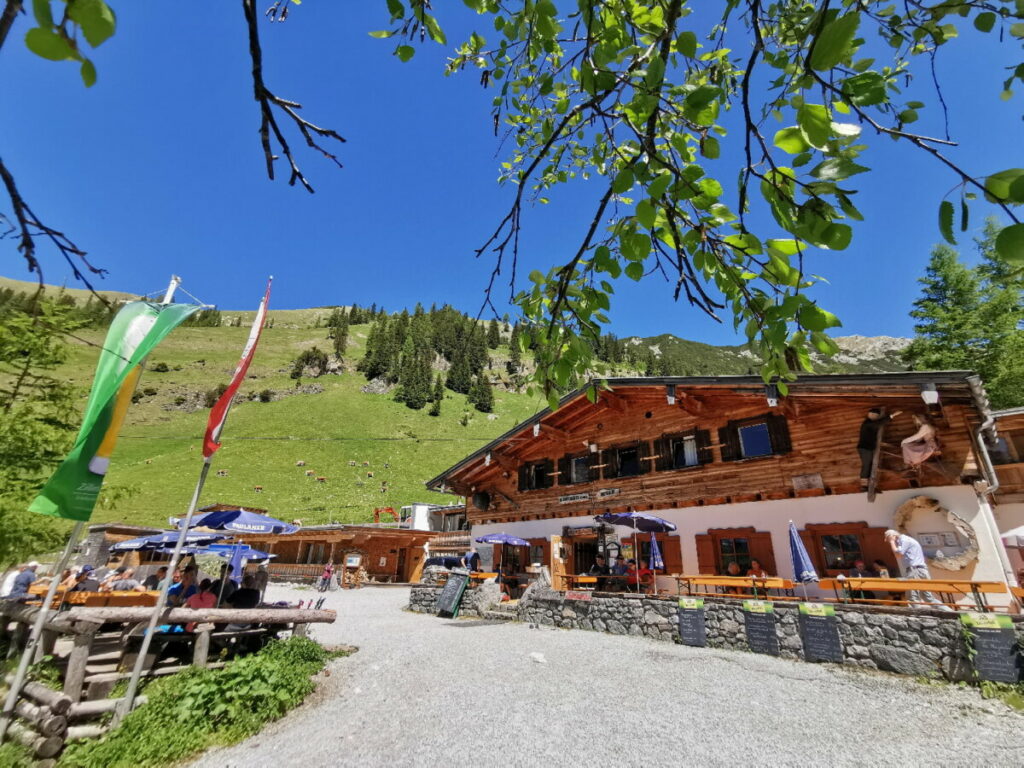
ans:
x=949 y=590
x=581 y=582
x=735 y=586
x=475 y=579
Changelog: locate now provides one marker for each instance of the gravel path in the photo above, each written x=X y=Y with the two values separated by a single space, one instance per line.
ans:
x=423 y=691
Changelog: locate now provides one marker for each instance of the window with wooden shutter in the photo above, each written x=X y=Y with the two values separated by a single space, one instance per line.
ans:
x=564 y=470
x=704 y=455
x=644 y=454
x=663 y=450
x=778 y=429
x=611 y=463
x=761 y=550
x=669 y=546
x=547 y=470
x=706 y=563
x=524 y=472
x=834 y=547
x=766 y=435
x=728 y=443
x=594 y=466
x=536 y=475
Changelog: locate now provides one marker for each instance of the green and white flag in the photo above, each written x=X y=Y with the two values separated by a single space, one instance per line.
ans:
x=136 y=329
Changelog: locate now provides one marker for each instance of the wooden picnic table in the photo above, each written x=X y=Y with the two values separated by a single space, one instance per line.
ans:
x=951 y=589
x=744 y=586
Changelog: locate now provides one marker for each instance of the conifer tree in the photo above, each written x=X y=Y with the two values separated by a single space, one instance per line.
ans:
x=460 y=378
x=341 y=338
x=493 y=335
x=482 y=396
x=515 y=354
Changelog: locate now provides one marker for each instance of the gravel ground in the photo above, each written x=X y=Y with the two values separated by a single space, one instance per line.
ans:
x=423 y=691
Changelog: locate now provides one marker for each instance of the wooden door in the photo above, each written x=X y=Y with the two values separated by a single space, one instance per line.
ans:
x=558 y=564
x=400 y=565
x=414 y=564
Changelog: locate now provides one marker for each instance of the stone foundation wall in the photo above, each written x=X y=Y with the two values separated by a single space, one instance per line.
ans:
x=476 y=600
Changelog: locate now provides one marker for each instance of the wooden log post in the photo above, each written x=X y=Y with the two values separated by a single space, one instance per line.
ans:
x=41 y=746
x=89 y=710
x=201 y=651
x=74 y=675
x=58 y=703
x=41 y=718
x=47 y=641
x=79 y=732
x=300 y=630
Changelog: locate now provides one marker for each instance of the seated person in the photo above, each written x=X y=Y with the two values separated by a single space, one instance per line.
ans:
x=126 y=583
x=600 y=567
x=861 y=571
x=757 y=570
x=152 y=582
x=19 y=591
x=111 y=577
x=640 y=578
x=85 y=582
x=202 y=598
x=183 y=588
x=509 y=580
x=733 y=570
x=247 y=596
x=225 y=586
x=68 y=579
x=620 y=567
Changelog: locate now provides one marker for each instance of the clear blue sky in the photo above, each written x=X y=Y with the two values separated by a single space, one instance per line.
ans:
x=158 y=169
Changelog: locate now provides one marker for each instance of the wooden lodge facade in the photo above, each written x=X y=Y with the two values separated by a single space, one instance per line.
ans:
x=731 y=462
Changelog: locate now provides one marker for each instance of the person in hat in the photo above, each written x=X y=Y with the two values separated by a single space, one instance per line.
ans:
x=911 y=557
x=86 y=581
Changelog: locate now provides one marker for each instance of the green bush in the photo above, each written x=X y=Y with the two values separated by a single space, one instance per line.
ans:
x=160 y=368
x=197 y=708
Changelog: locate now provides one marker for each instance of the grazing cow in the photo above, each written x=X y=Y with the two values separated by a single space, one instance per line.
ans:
x=310 y=473
x=351 y=463
x=300 y=463
x=258 y=488
x=321 y=479
x=369 y=474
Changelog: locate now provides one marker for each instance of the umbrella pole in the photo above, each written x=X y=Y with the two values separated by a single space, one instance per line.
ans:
x=36 y=633
x=161 y=602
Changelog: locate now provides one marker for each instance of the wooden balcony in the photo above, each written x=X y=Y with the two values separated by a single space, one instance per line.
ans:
x=1011 y=483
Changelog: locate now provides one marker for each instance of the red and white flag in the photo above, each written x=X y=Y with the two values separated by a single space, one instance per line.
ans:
x=219 y=412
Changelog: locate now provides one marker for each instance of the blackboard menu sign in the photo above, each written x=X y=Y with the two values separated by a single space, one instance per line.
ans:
x=759 y=618
x=451 y=596
x=996 y=655
x=692 y=630
x=820 y=632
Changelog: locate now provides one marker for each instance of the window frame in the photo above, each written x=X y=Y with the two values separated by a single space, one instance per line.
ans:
x=618 y=460
x=530 y=469
x=776 y=426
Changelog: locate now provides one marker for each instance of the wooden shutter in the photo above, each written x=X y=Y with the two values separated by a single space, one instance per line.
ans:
x=611 y=463
x=564 y=473
x=707 y=563
x=874 y=547
x=778 y=431
x=671 y=553
x=704 y=455
x=523 y=470
x=643 y=453
x=663 y=450
x=762 y=551
x=593 y=468
x=729 y=439
x=547 y=468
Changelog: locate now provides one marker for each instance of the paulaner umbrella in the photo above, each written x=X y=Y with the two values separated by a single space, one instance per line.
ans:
x=503 y=538
x=639 y=521
x=161 y=540
x=238 y=521
x=803 y=568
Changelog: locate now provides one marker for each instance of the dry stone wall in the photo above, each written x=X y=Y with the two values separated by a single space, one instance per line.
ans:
x=922 y=643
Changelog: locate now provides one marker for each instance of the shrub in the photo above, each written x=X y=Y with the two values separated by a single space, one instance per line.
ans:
x=266 y=395
x=159 y=368
x=180 y=400
x=149 y=391
x=211 y=396
x=312 y=358
x=197 y=708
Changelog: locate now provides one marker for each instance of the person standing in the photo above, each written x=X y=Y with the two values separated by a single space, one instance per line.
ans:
x=911 y=558
x=326 y=576
x=868 y=440
x=471 y=560
x=262 y=578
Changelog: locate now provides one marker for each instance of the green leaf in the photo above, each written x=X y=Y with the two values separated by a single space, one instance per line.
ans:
x=396 y=9
x=836 y=237
x=1010 y=244
x=745 y=243
x=710 y=148
x=834 y=43
x=985 y=21
x=964 y=215
x=95 y=18
x=815 y=124
x=382 y=33
x=866 y=89
x=645 y=213
x=946 y=221
x=434 y=30
x=635 y=270
x=623 y=182
x=88 y=72
x=782 y=247
x=814 y=318
x=1002 y=186
x=846 y=129
x=405 y=52
x=659 y=185
x=790 y=140
x=48 y=44
x=686 y=44
x=41 y=10
x=837 y=169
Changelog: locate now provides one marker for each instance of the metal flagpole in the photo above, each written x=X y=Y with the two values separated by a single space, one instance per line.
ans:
x=147 y=638
x=44 y=610
x=37 y=631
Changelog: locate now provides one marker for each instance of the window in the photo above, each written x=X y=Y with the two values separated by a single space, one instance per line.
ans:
x=574 y=469
x=753 y=438
x=841 y=550
x=537 y=554
x=1009 y=448
x=628 y=460
x=535 y=476
x=734 y=550
x=684 y=452
x=687 y=449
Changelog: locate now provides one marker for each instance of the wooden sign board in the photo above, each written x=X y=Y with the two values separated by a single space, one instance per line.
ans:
x=996 y=654
x=692 y=629
x=759 y=621
x=573 y=498
x=604 y=493
x=819 y=630
x=807 y=482
x=450 y=599
x=575 y=595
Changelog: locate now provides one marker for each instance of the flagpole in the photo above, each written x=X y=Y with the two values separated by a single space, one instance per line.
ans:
x=36 y=633
x=44 y=610
x=147 y=638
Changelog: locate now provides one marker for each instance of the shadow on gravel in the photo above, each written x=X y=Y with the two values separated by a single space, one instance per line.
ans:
x=475 y=623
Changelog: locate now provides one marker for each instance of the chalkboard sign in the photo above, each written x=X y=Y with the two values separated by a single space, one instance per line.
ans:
x=759 y=618
x=996 y=655
x=451 y=596
x=692 y=630
x=820 y=632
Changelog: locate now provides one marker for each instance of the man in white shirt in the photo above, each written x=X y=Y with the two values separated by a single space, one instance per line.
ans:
x=8 y=584
x=911 y=558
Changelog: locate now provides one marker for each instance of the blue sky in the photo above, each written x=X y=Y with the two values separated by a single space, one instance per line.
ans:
x=158 y=169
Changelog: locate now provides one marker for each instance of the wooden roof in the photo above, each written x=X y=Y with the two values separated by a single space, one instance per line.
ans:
x=575 y=408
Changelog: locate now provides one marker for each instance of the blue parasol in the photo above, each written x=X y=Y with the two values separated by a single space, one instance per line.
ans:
x=639 y=521
x=502 y=538
x=239 y=521
x=161 y=540
x=803 y=568
x=656 y=562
